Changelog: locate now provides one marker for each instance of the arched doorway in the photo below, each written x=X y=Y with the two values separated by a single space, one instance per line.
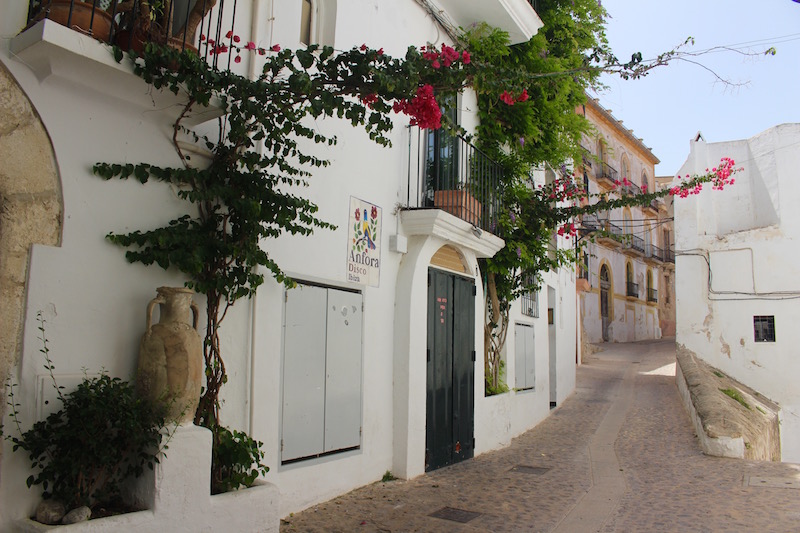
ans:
x=605 y=313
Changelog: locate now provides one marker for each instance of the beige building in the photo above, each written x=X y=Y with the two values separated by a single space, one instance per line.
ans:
x=627 y=259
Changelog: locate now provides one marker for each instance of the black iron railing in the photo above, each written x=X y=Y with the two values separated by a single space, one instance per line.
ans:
x=637 y=243
x=654 y=252
x=608 y=172
x=632 y=289
x=652 y=295
x=669 y=255
x=631 y=189
x=133 y=23
x=454 y=176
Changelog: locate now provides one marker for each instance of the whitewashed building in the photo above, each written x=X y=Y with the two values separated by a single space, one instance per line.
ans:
x=66 y=104
x=736 y=259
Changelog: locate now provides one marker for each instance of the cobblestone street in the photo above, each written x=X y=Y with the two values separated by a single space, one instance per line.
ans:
x=619 y=455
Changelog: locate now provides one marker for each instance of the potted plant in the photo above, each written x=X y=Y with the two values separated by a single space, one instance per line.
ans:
x=82 y=455
x=88 y=18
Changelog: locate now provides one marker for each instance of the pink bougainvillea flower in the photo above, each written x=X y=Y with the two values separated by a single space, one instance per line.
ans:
x=202 y=37
x=236 y=38
x=229 y=35
x=465 y=57
x=250 y=45
x=436 y=64
x=380 y=51
x=275 y=48
x=237 y=59
x=524 y=96
x=262 y=51
x=363 y=47
x=507 y=98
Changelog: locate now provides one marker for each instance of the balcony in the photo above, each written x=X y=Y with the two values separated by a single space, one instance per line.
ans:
x=654 y=253
x=631 y=189
x=517 y=17
x=634 y=244
x=456 y=177
x=669 y=255
x=632 y=289
x=607 y=175
x=611 y=234
x=652 y=295
x=654 y=205
x=132 y=24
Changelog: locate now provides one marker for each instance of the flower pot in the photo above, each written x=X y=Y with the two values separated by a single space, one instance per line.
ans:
x=171 y=355
x=133 y=40
x=85 y=18
x=459 y=203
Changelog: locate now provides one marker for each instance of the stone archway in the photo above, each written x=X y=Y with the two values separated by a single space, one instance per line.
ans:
x=31 y=209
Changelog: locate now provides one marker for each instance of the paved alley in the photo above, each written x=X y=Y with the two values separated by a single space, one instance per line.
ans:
x=619 y=455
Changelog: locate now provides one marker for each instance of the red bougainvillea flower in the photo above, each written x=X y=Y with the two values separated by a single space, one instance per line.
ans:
x=524 y=96
x=363 y=47
x=423 y=109
x=275 y=48
x=250 y=45
x=237 y=59
x=229 y=35
x=465 y=57
x=236 y=38
x=507 y=98
x=369 y=99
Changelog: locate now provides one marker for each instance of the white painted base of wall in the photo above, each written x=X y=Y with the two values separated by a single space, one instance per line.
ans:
x=178 y=493
x=716 y=446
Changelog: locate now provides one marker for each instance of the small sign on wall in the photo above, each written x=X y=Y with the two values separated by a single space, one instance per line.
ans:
x=364 y=243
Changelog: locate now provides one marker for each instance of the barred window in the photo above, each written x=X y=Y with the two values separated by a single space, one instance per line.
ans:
x=530 y=303
x=764 y=328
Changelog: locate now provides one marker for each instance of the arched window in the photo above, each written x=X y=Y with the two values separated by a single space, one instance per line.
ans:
x=601 y=151
x=652 y=294
x=645 y=186
x=318 y=22
x=626 y=168
x=627 y=222
x=632 y=289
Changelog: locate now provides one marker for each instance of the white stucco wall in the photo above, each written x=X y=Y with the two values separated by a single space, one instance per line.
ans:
x=746 y=235
x=94 y=301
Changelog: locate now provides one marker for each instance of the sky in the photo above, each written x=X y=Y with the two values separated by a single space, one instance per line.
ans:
x=670 y=105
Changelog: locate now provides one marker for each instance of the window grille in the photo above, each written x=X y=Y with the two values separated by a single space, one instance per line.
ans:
x=764 y=328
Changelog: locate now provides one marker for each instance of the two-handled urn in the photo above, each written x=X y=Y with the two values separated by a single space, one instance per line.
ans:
x=171 y=355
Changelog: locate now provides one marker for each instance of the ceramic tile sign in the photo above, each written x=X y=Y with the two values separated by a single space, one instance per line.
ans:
x=364 y=243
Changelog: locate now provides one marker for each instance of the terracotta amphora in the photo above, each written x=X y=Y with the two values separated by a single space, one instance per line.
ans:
x=171 y=355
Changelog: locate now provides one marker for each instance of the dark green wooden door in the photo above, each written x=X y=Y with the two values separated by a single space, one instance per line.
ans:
x=451 y=369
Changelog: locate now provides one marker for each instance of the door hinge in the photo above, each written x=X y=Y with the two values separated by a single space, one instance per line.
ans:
x=281 y=444
x=473 y=443
x=473 y=356
x=474 y=290
x=429 y=354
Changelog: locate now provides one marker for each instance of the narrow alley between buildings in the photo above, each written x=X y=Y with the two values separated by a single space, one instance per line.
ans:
x=620 y=454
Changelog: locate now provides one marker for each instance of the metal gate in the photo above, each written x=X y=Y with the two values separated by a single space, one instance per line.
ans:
x=450 y=404
x=605 y=286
